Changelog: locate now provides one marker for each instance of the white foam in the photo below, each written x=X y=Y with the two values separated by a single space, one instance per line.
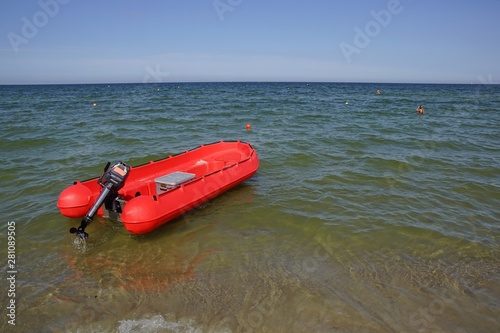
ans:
x=155 y=324
x=80 y=244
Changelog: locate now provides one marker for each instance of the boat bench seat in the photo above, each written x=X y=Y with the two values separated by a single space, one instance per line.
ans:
x=172 y=180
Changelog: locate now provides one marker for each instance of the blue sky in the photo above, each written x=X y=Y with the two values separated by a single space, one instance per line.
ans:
x=89 y=41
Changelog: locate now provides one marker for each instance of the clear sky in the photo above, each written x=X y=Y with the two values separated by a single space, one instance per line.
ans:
x=107 y=41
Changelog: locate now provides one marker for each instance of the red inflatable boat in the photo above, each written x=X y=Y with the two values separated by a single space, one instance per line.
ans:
x=147 y=196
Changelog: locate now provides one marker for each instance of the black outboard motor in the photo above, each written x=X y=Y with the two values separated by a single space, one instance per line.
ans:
x=111 y=180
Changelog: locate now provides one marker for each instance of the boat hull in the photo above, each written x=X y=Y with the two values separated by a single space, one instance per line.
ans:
x=159 y=191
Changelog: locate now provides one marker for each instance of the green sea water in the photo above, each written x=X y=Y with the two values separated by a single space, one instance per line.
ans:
x=362 y=217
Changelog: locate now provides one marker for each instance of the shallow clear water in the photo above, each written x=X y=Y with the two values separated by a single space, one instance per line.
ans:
x=362 y=216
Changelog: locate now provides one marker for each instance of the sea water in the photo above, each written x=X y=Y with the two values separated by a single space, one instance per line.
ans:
x=363 y=216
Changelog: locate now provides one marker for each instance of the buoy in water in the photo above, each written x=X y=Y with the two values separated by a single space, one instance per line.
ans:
x=346 y=103
x=248 y=127
x=94 y=105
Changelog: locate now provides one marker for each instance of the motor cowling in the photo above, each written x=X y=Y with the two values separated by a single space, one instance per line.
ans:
x=114 y=176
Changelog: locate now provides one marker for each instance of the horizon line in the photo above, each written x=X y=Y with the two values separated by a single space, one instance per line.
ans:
x=244 y=81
